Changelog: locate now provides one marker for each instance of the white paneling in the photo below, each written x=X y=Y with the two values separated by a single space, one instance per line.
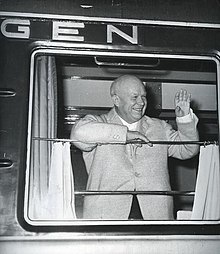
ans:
x=203 y=95
x=87 y=93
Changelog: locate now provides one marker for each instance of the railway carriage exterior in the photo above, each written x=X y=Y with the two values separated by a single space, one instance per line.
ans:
x=62 y=58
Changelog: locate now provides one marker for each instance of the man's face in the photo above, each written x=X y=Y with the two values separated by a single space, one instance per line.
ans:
x=132 y=101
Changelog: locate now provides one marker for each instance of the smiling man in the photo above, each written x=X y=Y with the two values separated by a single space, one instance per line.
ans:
x=115 y=165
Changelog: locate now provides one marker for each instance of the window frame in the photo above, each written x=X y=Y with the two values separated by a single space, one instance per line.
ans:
x=137 y=226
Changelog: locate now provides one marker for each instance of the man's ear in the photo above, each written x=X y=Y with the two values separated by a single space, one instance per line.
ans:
x=116 y=100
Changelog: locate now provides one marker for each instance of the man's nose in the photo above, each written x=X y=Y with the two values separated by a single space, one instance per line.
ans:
x=140 y=100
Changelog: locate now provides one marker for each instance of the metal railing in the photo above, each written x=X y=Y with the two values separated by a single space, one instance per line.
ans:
x=153 y=142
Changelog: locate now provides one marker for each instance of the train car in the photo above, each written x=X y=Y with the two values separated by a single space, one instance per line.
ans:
x=58 y=60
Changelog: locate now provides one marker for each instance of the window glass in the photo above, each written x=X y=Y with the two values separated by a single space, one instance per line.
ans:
x=66 y=88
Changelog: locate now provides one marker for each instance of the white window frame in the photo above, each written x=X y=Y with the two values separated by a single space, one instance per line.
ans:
x=77 y=52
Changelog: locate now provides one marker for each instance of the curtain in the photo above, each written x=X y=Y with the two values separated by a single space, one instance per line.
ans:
x=207 y=194
x=60 y=195
x=44 y=165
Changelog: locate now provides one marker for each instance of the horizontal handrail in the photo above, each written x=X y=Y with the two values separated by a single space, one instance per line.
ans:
x=126 y=64
x=166 y=193
x=5 y=163
x=154 y=142
x=4 y=92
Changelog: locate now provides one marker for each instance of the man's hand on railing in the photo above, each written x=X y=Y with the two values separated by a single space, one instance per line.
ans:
x=137 y=136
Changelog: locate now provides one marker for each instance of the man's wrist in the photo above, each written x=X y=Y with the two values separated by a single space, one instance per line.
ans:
x=185 y=119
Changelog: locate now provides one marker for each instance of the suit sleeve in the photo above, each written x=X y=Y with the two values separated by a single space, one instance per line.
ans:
x=91 y=131
x=186 y=132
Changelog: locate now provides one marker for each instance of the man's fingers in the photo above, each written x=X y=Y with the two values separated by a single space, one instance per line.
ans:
x=137 y=136
x=149 y=144
x=182 y=98
x=182 y=95
x=189 y=98
x=146 y=140
x=177 y=97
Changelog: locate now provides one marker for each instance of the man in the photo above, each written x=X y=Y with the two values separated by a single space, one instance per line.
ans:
x=113 y=165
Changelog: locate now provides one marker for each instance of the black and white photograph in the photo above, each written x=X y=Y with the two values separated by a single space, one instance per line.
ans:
x=109 y=126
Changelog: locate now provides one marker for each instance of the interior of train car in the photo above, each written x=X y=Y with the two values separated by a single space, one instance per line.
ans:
x=58 y=60
x=78 y=85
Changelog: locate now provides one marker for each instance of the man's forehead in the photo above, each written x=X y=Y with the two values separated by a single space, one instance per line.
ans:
x=135 y=87
x=138 y=92
x=131 y=82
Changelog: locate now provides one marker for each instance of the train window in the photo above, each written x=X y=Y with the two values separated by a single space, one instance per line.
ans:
x=67 y=86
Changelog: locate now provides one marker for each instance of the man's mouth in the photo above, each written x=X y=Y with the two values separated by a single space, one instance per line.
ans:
x=138 y=109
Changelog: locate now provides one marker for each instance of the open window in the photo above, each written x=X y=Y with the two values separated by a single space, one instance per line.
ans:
x=66 y=86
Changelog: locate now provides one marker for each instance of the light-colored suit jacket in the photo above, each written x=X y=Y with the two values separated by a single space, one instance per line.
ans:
x=120 y=167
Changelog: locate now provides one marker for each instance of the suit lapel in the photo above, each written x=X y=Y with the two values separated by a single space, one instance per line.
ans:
x=143 y=125
x=112 y=117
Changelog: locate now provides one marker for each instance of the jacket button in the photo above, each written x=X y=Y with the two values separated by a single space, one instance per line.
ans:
x=116 y=136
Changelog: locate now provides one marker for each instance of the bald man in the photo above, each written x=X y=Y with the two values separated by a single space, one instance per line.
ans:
x=114 y=165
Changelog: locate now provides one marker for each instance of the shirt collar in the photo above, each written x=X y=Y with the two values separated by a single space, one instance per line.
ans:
x=131 y=126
